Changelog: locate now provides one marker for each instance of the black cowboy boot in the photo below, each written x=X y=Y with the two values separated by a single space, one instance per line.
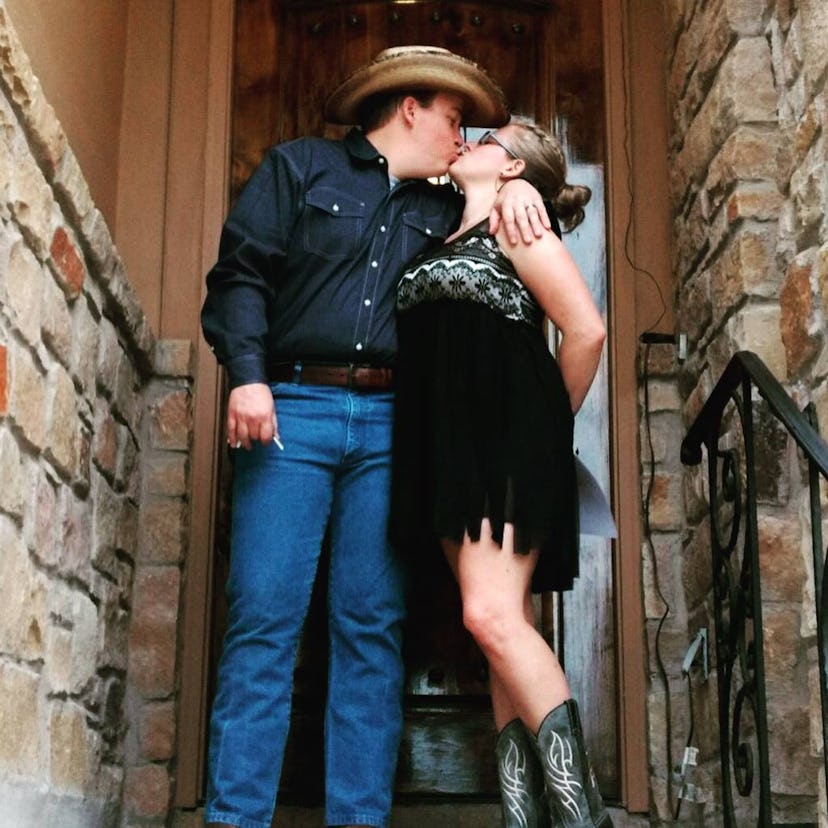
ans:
x=521 y=779
x=570 y=783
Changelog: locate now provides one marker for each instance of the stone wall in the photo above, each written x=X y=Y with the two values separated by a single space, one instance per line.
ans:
x=749 y=188
x=95 y=432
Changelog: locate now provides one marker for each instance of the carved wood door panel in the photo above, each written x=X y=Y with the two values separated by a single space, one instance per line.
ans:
x=547 y=58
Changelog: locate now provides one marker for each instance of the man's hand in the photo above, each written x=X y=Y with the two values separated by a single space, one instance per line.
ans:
x=521 y=209
x=251 y=416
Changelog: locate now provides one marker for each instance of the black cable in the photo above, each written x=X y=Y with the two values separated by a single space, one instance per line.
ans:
x=628 y=157
x=662 y=671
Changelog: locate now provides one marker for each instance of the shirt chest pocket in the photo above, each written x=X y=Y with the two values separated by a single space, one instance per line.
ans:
x=332 y=223
x=420 y=230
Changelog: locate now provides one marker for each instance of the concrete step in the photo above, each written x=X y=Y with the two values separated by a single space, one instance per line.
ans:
x=451 y=815
x=437 y=816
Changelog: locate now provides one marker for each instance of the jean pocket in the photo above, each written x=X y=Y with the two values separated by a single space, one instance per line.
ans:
x=332 y=223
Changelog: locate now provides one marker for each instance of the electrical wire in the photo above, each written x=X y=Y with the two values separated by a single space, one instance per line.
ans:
x=628 y=158
x=662 y=670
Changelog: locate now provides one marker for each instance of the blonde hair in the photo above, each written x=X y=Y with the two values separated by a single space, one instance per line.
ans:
x=545 y=169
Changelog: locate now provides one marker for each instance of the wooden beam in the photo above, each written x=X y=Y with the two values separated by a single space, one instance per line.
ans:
x=623 y=349
x=203 y=182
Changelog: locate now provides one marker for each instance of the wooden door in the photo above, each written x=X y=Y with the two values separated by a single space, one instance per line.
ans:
x=548 y=59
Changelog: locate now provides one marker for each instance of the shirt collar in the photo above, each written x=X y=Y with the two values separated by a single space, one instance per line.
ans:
x=359 y=146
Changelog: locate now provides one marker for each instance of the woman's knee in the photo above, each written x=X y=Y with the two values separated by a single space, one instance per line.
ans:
x=491 y=623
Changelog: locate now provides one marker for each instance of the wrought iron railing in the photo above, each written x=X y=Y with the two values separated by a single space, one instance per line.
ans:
x=737 y=594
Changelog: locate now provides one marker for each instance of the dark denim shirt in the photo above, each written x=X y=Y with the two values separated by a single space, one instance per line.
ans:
x=311 y=254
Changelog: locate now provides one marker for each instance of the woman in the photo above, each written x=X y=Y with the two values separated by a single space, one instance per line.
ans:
x=483 y=454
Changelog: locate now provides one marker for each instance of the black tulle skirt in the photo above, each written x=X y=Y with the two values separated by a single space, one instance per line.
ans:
x=483 y=428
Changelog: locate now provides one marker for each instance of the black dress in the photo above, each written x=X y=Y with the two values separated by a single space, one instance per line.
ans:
x=483 y=422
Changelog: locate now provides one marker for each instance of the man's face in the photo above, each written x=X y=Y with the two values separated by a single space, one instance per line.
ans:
x=436 y=131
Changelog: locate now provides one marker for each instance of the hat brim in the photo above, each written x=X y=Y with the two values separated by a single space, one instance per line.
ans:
x=418 y=68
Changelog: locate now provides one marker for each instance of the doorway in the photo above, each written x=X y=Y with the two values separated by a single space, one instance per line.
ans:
x=548 y=59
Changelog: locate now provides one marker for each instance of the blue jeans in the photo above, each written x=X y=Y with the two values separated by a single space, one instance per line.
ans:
x=335 y=466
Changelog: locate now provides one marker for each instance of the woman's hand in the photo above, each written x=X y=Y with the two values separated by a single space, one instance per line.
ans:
x=251 y=415
x=521 y=209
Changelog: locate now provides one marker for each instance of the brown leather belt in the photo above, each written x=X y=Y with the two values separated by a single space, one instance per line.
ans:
x=343 y=375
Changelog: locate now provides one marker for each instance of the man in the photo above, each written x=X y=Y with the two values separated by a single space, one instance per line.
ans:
x=300 y=311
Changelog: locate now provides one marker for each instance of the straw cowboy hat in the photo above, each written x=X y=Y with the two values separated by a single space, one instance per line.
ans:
x=413 y=68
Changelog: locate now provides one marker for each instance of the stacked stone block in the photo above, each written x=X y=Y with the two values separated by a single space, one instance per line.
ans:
x=95 y=433
x=746 y=81
x=161 y=542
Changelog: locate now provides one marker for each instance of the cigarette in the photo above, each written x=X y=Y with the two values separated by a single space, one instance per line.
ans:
x=278 y=443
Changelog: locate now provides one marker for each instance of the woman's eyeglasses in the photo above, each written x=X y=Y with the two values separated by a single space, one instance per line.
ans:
x=490 y=138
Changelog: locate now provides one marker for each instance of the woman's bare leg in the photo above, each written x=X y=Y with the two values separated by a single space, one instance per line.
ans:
x=526 y=679
x=504 y=710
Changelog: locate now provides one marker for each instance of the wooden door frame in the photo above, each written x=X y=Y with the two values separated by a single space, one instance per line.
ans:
x=625 y=22
x=640 y=293
x=205 y=196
